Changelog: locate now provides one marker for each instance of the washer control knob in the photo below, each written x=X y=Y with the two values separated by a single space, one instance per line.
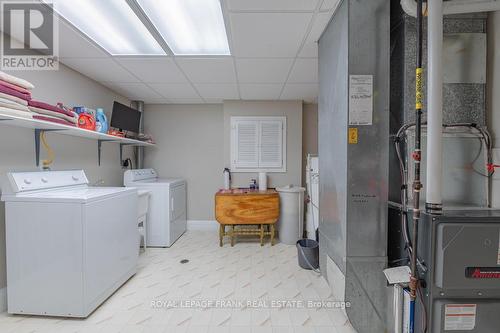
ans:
x=45 y=180
x=75 y=178
x=27 y=181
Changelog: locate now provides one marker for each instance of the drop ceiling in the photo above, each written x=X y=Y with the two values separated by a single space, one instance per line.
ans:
x=273 y=57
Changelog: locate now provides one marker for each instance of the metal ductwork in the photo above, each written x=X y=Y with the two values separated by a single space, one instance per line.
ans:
x=139 y=151
x=455 y=6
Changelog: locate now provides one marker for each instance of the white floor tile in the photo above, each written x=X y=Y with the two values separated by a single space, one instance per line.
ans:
x=244 y=272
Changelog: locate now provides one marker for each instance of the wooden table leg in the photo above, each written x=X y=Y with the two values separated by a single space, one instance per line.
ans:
x=232 y=235
x=222 y=231
x=272 y=234
x=261 y=235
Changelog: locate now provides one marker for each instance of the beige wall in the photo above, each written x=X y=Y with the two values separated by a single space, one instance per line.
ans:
x=193 y=143
x=190 y=145
x=292 y=110
x=309 y=135
x=17 y=147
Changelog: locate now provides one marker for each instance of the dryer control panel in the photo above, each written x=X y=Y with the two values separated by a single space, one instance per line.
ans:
x=139 y=174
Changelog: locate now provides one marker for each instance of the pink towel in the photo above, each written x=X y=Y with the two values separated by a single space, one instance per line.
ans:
x=15 y=87
x=50 y=113
x=42 y=105
x=54 y=120
x=12 y=92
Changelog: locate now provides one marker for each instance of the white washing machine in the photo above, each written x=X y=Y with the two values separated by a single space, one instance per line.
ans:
x=69 y=246
x=167 y=216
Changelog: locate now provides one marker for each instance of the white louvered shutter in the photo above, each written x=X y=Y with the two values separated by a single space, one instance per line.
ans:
x=246 y=144
x=270 y=144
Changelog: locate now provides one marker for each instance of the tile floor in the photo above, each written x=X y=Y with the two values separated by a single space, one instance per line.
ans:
x=247 y=272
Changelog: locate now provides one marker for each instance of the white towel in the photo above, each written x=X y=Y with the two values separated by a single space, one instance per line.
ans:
x=14 y=99
x=17 y=81
x=15 y=113
x=14 y=106
x=73 y=120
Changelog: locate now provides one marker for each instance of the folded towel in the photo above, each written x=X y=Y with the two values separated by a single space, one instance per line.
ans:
x=14 y=106
x=15 y=80
x=8 y=101
x=53 y=120
x=42 y=105
x=15 y=113
x=14 y=99
x=12 y=92
x=60 y=115
x=15 y=87
x=26 y=96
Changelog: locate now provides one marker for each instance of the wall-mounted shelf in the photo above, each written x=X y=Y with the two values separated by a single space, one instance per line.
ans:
x=40 y=126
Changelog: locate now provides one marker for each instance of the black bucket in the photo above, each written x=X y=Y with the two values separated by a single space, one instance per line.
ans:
x=308 y=253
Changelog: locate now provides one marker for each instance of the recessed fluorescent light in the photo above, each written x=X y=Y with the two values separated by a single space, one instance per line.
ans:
x=190 y=27
x=110 y=23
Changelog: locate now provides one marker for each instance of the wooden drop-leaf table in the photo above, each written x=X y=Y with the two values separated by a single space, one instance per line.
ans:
x=244 y=208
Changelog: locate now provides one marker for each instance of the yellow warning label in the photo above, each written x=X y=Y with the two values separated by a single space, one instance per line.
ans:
x=353 y=136
x=419 y=96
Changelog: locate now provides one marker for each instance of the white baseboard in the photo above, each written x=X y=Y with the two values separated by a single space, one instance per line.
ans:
x=202 y=225
x=3 y=299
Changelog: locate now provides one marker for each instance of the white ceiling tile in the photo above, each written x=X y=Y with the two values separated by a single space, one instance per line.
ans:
x=159 y=101
x=310 y=48
x=218 y=91
x=301 y=91
x=264 y=91
x=175 y=91
x=134 y=91
x=154 y=69
x=100 y=69
x=304 y=71
x=73 y=44
x=208 y=70
x=329 y=4
x=214 y=100
x=186 y=101
x=268 y=34
x=263 y=70
x=274 y=5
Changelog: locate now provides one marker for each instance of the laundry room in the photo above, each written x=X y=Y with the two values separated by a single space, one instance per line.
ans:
x=264 y=166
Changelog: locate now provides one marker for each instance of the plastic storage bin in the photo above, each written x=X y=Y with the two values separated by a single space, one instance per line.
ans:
x=291 y=222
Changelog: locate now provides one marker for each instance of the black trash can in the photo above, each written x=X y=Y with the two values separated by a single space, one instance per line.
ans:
x=308 y=253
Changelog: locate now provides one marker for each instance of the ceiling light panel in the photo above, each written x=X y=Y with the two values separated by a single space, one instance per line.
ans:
x=190 y=27
x=112 y=24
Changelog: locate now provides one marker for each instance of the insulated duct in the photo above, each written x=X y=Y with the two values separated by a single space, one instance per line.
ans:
x=455 y=6
x=435 y=107
x=139 y=151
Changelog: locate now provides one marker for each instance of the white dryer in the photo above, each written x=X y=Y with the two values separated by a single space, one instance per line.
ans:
x=167 y=216
x=69 y=246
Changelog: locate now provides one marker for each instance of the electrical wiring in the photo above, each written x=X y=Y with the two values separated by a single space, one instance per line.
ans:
x=51 y=155
x=424 y=308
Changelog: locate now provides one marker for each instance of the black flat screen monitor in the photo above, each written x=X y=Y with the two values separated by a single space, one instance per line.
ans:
x=125 y=118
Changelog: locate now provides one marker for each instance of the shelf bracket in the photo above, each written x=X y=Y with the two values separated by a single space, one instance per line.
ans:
x=99 y=149
x=38 y=132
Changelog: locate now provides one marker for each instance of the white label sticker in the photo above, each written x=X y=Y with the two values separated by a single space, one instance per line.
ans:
x=360 y=100
x=460 y=317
